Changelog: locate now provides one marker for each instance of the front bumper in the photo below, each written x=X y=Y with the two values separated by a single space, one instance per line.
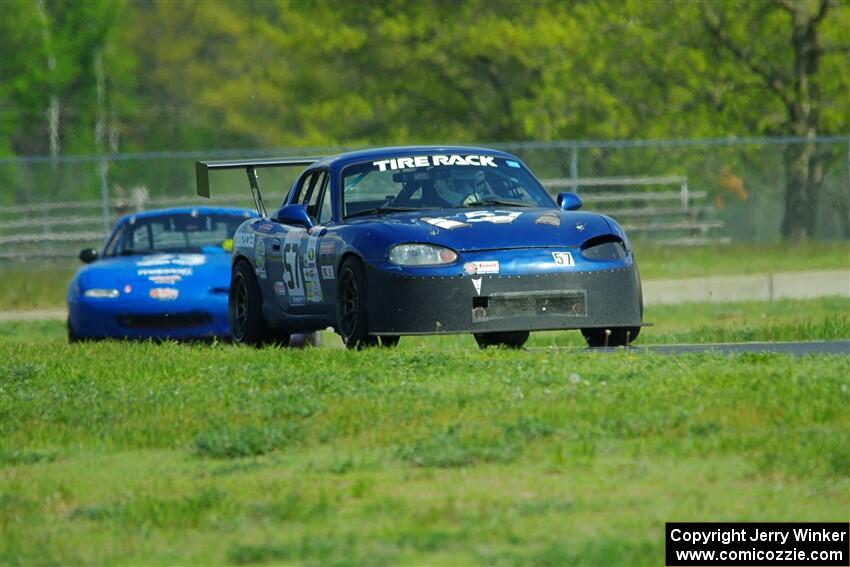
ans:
x=103 y=318
x=402 y=304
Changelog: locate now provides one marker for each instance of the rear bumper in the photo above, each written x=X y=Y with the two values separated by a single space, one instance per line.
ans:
x=406 y=305
x=134 y=320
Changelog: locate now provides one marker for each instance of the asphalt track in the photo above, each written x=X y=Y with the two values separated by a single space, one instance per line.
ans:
x=792 y=348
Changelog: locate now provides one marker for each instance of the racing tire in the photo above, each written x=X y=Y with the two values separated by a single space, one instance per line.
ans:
x=389 y=341
x=509 y=339
x=619 y=336
x=245 y=310
x=352 y=307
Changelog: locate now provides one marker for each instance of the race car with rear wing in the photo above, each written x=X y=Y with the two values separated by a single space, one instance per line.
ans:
x=382 y=243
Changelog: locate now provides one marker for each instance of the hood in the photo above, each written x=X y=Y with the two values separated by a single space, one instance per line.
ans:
x=153 y=270
x=497 y=228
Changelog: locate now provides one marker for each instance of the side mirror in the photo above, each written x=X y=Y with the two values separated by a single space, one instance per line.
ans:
x=295 y=215
x=569 y=201
x=88 y=255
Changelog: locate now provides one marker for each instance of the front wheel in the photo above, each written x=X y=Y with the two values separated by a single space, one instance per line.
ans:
x=73 y=337
x=613 y=337
x=352 y=313
x=515 y=339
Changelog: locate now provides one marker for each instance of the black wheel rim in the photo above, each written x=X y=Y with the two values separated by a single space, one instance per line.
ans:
x=349 y=304
x=239 y=307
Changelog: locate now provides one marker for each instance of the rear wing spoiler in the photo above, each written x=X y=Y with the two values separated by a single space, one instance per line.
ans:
x=202 y=174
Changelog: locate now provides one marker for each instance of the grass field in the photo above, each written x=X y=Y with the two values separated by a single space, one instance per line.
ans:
x=433 y=453
x=22 y=288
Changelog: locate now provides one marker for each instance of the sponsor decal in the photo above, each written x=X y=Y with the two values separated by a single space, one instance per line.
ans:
x=149 y=272
x=265 y=227
x=447 y=224
x=165 y=280
x=511 y=163
x=176 y=259
x=548 y=218
x=474 y=268
x=426 y=161
x=128 y=288
x=327 y=272
x=563 y=259
x=313 y=286
x=327 y=248
x=579 y=226
x=280 y=288
x=164 y=293
x=476 y=282
x=260 y=258
x=244 y=240
x=496 y=217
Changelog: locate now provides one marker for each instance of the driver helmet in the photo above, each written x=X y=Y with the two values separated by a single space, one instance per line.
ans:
x=453 y=191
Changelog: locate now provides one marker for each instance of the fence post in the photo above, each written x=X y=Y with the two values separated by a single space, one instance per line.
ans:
x=104 y=196
x=574 y=168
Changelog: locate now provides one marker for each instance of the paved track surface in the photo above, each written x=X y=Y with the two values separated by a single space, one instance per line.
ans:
x=795 y=348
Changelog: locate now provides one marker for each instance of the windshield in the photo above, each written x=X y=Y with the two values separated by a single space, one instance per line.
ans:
x=188 y=233
x=438 y=182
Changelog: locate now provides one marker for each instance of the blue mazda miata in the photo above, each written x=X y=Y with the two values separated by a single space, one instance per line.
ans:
x=160 y=274
x=426 y=240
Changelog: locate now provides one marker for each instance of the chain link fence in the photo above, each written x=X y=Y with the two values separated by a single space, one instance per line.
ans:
x=684 y=192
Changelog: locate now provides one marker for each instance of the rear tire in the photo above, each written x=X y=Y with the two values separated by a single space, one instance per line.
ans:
x=510 y=339
x=619 y=336
x=245 y=310
x=352 y=307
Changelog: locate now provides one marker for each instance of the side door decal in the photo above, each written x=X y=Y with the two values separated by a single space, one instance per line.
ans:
x=293 y=269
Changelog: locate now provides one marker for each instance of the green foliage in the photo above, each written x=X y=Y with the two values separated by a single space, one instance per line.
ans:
x=288 y=73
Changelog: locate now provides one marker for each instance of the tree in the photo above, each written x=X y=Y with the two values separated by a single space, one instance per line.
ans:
x=788 y=61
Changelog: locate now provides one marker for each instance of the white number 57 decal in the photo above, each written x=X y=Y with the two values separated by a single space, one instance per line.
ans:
x=563 y=258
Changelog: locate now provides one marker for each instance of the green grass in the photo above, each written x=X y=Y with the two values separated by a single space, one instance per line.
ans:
x=22 y=288
x=656 y=261
x=148 y=453
x=42 y=288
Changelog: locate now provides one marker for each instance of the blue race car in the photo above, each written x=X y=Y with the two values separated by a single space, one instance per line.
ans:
x=426 y=240
x=160 y=274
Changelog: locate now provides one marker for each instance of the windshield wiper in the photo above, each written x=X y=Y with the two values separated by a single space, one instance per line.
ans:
x=379 y=210
x=494 y=201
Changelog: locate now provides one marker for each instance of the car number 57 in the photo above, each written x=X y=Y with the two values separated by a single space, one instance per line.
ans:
x=563 y=258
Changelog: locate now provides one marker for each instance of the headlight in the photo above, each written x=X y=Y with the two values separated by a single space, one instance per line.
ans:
x=605 y=251
x=100 y=293
x=421 y=255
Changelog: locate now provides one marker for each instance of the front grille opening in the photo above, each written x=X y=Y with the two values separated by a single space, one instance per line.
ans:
x=166 y=321
x=566 y=303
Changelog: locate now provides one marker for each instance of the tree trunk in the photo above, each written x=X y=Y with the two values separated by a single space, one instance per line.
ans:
x=803 y=170
x=803 y=176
